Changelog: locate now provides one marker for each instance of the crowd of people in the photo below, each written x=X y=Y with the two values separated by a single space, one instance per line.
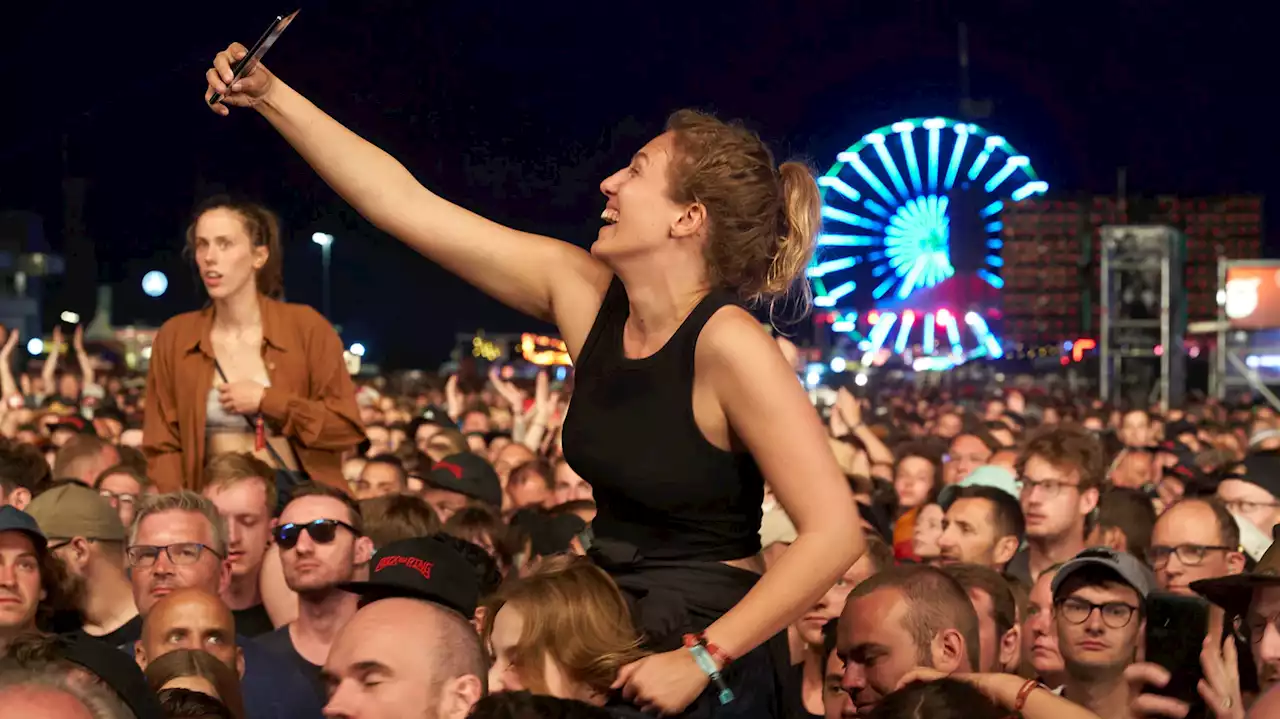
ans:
x=1017 y=552
x=678 y=530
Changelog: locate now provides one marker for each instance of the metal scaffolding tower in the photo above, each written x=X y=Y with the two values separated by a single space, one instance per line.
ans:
x=1143 y=315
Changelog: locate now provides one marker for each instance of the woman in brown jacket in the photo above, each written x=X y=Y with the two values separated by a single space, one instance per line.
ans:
x=248 y=373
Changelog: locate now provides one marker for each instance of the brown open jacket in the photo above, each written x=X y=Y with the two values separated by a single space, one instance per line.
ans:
x=311 y=398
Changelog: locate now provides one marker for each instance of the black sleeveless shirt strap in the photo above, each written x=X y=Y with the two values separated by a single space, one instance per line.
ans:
x=613 y=307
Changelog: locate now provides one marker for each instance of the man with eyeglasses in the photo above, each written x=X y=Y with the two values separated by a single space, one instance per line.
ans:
x=322 y=544
x=122 y=486
x=179 y=541
x=1060 y=471
x=1253 y=597
x=1194 y=539
x=1253 y=491
x=1098 y=604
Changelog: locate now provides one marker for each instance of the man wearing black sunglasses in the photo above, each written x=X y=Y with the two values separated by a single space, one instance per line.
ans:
x=322 y=544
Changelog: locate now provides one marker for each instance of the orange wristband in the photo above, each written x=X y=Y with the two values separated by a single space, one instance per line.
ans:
x=1024 y=692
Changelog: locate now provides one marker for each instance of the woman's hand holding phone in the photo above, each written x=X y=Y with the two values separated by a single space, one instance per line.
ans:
x=250 y=90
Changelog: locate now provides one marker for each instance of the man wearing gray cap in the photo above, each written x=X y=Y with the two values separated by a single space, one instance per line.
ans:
x=86 y=536
x=1099 y=598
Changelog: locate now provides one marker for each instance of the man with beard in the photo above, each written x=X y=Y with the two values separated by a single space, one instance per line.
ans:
x=322 y=545
x=1099 y=599
x=86 y=536
x=1255 y=598
x=243 y=488
x=902 y=618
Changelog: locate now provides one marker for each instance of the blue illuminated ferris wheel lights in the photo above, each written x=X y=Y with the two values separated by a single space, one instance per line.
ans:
x=882 y=206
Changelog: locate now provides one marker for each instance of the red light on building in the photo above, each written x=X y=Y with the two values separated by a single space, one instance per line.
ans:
x=1080 y=347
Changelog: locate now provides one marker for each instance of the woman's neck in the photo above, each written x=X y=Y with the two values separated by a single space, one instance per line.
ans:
x=813 y=678
x=239 y=311
x=660 y=298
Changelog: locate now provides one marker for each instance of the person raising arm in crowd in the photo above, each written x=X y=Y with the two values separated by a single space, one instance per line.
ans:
x=700 y=220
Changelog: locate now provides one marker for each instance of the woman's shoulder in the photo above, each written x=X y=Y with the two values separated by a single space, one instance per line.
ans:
x=184 y=328
x=304 y=316
x=299 y=320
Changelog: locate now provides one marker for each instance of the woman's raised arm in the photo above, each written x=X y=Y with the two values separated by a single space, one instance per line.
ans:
x=540 y=276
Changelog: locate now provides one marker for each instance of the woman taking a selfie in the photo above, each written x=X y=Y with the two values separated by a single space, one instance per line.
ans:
x=248 y=373
x=700 y=220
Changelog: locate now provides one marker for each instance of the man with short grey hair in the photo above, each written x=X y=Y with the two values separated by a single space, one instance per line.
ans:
x=178 y=540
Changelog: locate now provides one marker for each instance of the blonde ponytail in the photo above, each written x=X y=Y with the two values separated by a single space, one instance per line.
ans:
x=802 y=208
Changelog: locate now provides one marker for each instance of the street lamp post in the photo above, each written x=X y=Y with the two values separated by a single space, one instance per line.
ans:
x=325 y=241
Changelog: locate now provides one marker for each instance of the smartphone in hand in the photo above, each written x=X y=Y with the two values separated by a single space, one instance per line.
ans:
x=1176 y=627
x=264 y=43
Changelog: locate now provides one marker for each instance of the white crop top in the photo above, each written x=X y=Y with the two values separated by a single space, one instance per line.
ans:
x=219 y=421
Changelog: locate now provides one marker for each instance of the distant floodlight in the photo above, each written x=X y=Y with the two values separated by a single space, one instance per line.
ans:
x=323 y=239
x=35 y=346
x=70 y=317
x=154 y=283
x=838 y=364
x=357 y=349
x=860 y=380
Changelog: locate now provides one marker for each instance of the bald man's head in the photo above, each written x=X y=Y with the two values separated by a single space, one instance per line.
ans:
x=189 y=619
x=422 y=654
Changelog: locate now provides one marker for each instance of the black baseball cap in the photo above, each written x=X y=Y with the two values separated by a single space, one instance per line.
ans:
x=421 y=568
x=467 y=474
x=1262 y=469
x=13 y=519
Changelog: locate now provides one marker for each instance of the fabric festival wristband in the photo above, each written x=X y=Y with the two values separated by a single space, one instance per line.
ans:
x=708 y=665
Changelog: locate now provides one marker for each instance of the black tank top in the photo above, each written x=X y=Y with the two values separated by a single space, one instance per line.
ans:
x=660 y=486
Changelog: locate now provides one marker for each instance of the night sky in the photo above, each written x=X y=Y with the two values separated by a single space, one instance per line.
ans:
x=518 y=110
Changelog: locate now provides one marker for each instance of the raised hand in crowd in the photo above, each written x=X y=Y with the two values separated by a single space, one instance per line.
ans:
x=249 y=91
x=1015 y=402
x=454 y=403
x=8 y=388
x=1220 y=687
x=508 y=391
x=82 y=356
x=50 y=368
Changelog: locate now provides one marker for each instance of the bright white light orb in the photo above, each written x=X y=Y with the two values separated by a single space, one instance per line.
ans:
x=154 y=283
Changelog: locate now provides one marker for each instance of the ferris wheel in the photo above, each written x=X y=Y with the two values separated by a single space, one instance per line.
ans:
x=911 y=238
